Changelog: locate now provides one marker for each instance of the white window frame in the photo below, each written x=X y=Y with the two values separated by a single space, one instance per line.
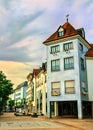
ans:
x=69 y=63
x=55 y=49
x=55 y=88
x=69 y=87
x=55 y=65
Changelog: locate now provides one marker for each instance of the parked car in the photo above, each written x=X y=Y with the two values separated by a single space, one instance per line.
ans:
x=19 y=112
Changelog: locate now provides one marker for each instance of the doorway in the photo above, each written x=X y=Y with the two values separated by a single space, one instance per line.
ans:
x=67 y=109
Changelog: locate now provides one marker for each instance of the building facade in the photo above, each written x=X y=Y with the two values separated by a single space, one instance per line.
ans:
x=41 y=91
x=36 y=91
x=67 y=85
x=89 y=63
x=20 y=94
x=31 y=92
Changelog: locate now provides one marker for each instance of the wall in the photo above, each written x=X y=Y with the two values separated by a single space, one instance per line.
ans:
x=62 y=75
x=89 y=63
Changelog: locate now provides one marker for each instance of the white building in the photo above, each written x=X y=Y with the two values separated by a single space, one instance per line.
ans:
x=20 y=94
x=67 y=89
x=89 y=62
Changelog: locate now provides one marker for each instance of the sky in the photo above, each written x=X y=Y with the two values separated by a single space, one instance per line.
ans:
x=26 y=24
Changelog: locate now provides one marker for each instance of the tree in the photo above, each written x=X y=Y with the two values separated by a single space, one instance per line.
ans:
x=6 y=88
x=11 y=103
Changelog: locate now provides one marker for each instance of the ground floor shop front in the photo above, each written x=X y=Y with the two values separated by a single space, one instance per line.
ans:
x=71 y=109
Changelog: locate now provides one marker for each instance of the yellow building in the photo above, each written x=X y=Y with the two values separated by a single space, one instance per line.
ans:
x=36 y=92
x=30 y=92
x=41 y=91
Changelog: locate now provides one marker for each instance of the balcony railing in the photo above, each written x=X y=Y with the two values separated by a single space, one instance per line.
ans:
x=55 y=92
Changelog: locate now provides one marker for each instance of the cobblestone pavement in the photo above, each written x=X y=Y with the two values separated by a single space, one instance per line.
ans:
x=10 y=122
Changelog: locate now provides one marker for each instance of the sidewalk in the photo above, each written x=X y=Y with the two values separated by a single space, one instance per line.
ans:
x=84 y=124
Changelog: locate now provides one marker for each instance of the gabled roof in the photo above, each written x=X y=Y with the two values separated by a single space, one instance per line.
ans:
x=28 y=76
x=69 y=31
x=90 y=51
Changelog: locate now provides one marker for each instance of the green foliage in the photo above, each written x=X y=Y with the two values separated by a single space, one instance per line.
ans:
x=11 y=102
x=6 y=88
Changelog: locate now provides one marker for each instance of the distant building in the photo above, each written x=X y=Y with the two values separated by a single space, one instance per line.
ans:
x=67 y=86
x=20 y=94
x=41 y=91
x=31 y=92
x=36 y=91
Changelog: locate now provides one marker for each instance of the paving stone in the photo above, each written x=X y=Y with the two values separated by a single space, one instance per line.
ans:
x=10 y=122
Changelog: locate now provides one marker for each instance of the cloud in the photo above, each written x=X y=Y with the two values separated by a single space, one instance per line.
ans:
x=16 y=71
x=25 y=24
x=15 y=33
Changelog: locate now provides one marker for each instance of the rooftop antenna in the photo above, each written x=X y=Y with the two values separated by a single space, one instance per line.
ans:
x=67 y=17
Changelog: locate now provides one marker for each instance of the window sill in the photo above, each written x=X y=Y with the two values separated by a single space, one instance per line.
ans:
x=69 y=69
x=54 y=52
x=55 y=70
x=55 y=94
x=69 y=93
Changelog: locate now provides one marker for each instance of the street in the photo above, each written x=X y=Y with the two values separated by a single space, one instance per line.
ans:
x=8 y=121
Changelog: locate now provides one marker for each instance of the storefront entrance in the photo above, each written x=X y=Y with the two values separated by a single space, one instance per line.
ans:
x=67 y=109
x=87 y=109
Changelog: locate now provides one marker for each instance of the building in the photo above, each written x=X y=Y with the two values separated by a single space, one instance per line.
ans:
x=67 y=86
x=31 y=92
x=36 y=91
x=20 y=94
x=89 y=63
x=41 y=91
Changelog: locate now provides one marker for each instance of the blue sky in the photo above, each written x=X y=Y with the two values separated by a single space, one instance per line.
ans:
x=25 y=24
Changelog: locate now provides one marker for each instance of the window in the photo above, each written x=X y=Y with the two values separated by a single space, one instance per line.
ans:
x=68 y=46
x=68 y=63
x=55 y=49
x=60 y=32
x=45 y=78
x=69 y=87
x=83 y=84
x=32 y=92
x=55 y=88
x=80 y=47
x=82 y=63
x=55 y=65
x=84 y=89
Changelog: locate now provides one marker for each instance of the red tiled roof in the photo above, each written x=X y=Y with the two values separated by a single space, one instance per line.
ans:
x=91 y=45
x=90 y=51
x=35 y=71
x=69 y=31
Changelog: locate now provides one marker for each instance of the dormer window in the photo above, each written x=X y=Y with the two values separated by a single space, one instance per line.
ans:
x=81 y=32
x=60 y=32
